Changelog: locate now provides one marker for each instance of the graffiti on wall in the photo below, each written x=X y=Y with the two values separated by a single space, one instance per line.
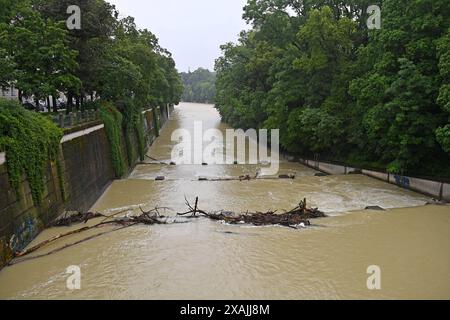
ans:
x=24 y=234
x=402 y=181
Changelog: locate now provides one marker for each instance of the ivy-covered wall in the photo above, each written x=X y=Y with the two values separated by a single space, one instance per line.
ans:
x=87 y=170
x=20 y=219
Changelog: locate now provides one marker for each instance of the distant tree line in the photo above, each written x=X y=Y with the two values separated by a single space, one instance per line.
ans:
x=199 y=86
x=338 y=90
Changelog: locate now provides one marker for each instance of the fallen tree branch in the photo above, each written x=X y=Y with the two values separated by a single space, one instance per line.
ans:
x=153 y=159
x=23 y=259
x=145 y=218
x=293 y=218
x=298 y=216
x=68 y=220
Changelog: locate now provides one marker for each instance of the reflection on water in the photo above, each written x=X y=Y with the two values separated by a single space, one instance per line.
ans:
x=209 y=260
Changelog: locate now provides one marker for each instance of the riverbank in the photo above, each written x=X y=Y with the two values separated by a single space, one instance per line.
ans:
x=86 y=170
x=439 y=190
x=205 y=259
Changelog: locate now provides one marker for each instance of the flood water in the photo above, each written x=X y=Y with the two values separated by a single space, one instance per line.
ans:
x=410 y=241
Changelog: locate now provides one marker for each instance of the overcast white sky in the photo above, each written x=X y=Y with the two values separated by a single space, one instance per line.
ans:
x=192 y=30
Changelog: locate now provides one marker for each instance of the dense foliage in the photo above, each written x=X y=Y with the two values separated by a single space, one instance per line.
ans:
x=115 y=59
x=336 y=89
x=108 y=58
x=35 y=53
x=31 y=141
x=112 y=119
x=108 y=62
x=199 y=86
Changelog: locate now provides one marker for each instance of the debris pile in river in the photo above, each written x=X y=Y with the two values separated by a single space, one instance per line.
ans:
x=146 y=218
x=298 y=216
x=70 y=218
x=293 y=218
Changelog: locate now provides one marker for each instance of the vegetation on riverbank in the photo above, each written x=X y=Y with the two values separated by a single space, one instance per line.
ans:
x=199 y=86
x=31 y=142
x=108 y=64
x=338 y=90
x=112 y=119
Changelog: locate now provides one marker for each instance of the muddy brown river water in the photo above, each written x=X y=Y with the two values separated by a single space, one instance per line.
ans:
x=410 y=241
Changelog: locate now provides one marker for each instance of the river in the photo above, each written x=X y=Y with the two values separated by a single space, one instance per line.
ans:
x=410 y=241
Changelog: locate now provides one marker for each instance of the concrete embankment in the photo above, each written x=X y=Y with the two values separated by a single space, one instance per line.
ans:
x=87 y=171
x=439 y=190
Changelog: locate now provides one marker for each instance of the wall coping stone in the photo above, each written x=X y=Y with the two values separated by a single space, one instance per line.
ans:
x=81 y=133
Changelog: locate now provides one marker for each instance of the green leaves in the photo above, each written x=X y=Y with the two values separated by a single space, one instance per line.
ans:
x=313 y=70
x=443 y=136
x=325 y=40
x=37 y=49
x=317 y=130
x=199 y=86
x=31 y=141
x=112 y=119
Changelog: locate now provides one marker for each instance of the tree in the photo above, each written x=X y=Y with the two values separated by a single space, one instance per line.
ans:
x=443 y=132
x=400 y=89
x=92 y=41
x=312 y=69
x=37 y=49
x=199 y=86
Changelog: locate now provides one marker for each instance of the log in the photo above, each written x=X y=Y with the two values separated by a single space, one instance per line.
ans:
x=300 y=215
x=297 y=216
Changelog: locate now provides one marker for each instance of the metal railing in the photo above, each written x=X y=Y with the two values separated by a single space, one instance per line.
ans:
x=72 y=119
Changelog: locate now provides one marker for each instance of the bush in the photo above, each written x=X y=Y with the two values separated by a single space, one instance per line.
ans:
x=112 y=119
x=31 y=141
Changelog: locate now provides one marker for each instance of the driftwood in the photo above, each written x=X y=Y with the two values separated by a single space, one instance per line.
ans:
x=147 y=218
x=69 y=219
x=156 y=160
x=294 y=218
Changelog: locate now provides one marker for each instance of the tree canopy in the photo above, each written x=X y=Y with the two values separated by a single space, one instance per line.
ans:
x=199 y=86
x=108 y=57
x=336 y=89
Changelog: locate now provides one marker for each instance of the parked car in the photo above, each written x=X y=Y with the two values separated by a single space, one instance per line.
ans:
x=32 y=107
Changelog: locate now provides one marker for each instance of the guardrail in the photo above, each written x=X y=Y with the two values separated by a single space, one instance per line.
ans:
x=72 y=119
x=440 y=190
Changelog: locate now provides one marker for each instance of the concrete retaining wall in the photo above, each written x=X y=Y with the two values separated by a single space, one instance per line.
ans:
x=378 y=175
x=436 y=189
x=20 y=219
x=446 y=192
x=331 y=168
x=87 y=171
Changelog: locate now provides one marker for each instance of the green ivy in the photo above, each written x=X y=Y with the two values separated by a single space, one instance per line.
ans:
x=133 y=127
x=30 y=141
x=156 y=120
x=112 y=119
x=62 y=182
x=140 y=133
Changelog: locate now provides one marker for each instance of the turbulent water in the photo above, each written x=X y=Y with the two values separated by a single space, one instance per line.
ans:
x=410 y=241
